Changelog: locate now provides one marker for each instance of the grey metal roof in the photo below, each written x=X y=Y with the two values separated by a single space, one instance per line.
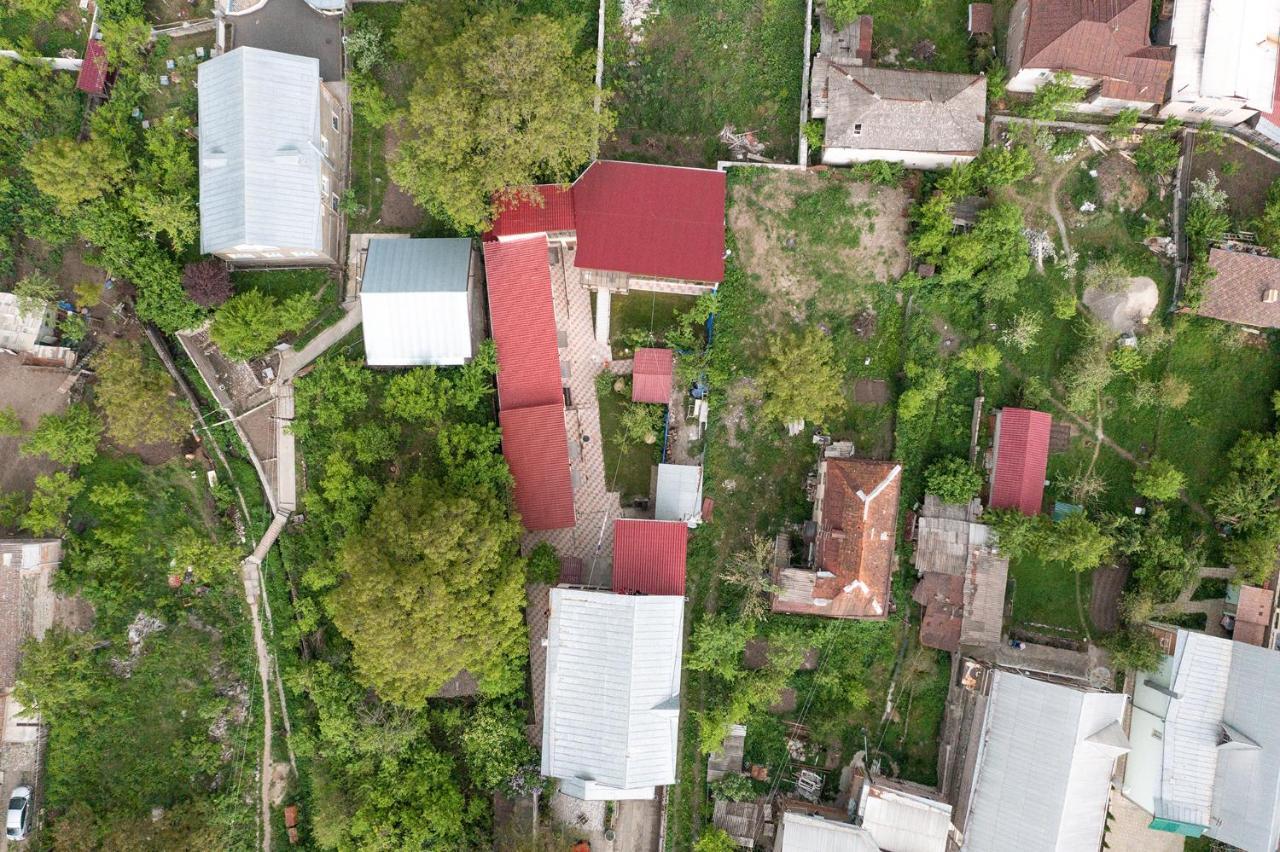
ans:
x=903 y=821
x=893 y=110
x=678 y=494
x=1043 y=769
x=417 y=266
x=802 y=833
x=612 y=698
x=259 y=151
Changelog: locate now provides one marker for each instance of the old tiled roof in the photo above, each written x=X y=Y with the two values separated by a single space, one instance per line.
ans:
x=1021 y=458
x=981 y=18
x=963 y=579
x=1238 y=292
x=1253 y=615
x=942 y=597
x=1099 y=38
x=93 y=71
x=660 y=221
x=523 y=322
x=537 y=451
x=652 y=373
x=857 y=517
x=545 y=208
x=649 y=556
x=17 y=622
x=890 y=109
x=985 y=579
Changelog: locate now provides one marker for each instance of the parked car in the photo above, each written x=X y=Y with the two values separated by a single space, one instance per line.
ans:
x=18 y=823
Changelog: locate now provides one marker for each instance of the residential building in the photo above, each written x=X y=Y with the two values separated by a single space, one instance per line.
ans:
x=855 y=518
x=922 y=119
x=1251 y=610
x=962 y=577
x=416 y=297
x=649 y=557
x=652 y=375
x=271 y=154
x=328 y=7
x=1225 y=60
x=904 y=817
x=804 y=833
x=1035 y=774
x=981 y=23
x=1206 y=742
x=678 y=496
x=531 y=401
x=27 y=604
x=612 y=697
x=1244 y=289
x=1020 y=458
x=1104 y=44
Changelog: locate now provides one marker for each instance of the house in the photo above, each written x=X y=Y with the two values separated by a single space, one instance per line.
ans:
x=612 y=693
x=33 y=335
x=1254 y=608
x=981 y=21
x=904 y=817
x=855 y=516
x=922 y=119
x=1225 y=60
x=803 y=833
x=1244 y=289
x=649 y=557
x=652 y=375
x=271 y=154
x=1037 y=772
x=963 y=577
x=1019 y=460
x=1206 y=742
x=679 y=493
x=1104 y=44
x=531 y=399
x=27 y=605
x=416 y=298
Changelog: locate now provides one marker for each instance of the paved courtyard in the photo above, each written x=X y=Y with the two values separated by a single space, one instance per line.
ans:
x=291 y=26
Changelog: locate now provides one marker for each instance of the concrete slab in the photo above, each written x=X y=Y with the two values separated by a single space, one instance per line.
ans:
x=291 y=26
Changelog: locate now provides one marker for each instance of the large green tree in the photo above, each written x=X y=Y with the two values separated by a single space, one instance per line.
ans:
x=434 y=584
x=801 y=378
x=137 y=397
x=69 y=438
x=250 y=322
x=72 y=172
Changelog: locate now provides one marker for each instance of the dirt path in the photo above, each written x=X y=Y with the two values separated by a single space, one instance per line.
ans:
x=1056 y=213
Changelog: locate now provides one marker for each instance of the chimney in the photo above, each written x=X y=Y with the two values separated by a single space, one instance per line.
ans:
x=1271 y=295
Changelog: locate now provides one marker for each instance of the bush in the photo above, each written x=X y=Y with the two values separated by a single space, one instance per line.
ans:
x=543 y=565
x=10 y=423
x=74 y=328
x=70 y=438
x=1159 y=480
x=814 y=133
x=1052 y=97
x=207 y=282
x=1159 y=150
x=953 y=480
x=35 y=292
x=733 y=787
x=250 y=322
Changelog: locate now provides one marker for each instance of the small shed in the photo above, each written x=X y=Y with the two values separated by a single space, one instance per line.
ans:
x=649 y=557
x=652 y=375
x=679 y=493
x=981 y=19
x=92 y=79
x=23 y=331
x=416 y=298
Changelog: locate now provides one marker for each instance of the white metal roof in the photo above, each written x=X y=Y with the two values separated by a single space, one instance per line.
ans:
x=19 y=331
x=612 y=699
x=902 y=822
x=679 y=493
x=259 y=151
x=801 y=833
x=1043 y=770
x=1225 y=49
x=417 y=308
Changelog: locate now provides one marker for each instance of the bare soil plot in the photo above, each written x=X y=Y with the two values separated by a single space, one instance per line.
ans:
x=1247 y=186
x=32 y=392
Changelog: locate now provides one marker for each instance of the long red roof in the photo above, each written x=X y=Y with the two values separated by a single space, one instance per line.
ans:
x=545 y=208
x=93 y=71
x=524 y=322
x=537 y=451
x=649 y=557
x=1022 y=457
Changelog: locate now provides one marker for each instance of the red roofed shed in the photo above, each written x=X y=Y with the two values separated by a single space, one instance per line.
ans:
x=524 y=322
x=1021 y=458
x=537 y=451
x=659 y=221
x=652 y=374
x=546 y=209
x=649 y=557
x=93 y=71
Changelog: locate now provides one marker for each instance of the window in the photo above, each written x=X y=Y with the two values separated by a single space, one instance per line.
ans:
x=333 y=202
x=324 y=144
x=1223 y=111
x=333 y=120
x=1199 y=108
x=857 y=130
x=324 y=184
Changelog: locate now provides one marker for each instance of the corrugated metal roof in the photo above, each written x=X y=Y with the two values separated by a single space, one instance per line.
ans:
x=902 y=822
x=1191 y=729
x=1246 y=795
x=652 y=374
x=1043 y=772
x=93 y=71
x=259 y=151
x=19 y=556
x=801 y=833
x=679 y=493
x=417 y=266
x=548 y=211
x=1021 y=459
x=1240 y=51
x=537 y=451
x=612 y=697
x=523 y=322
x=649 y=556
x=415 y=303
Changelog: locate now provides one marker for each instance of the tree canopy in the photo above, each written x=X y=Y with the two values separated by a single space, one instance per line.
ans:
x=136 y=396
x=68 y=438
x=801 y=379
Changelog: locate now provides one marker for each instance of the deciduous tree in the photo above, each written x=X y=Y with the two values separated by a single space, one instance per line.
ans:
x=72 y=172
x=136 y=395
x=207 y=282
x=1159 y=480
x=47 y=511
x=953 y=480
x=801 y=379
x=68 y=438
x=250 y=322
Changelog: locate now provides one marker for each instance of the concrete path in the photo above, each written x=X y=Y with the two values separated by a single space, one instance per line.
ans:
x=1127 y=829
x=293 y=360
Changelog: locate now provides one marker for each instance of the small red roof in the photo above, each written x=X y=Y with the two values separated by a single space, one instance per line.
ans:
x=537 y=451
x=649 y=557
x=1022 y=456
x=662 y=221
x=541 y=209
x=652 y=373
x=523 y=322
x=93 y=71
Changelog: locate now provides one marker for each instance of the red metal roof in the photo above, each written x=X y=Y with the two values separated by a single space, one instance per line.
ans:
x=93 y=71
x=649 y=557
x=537 y=451
x=661 y=221
x=1022 y=456
x=523 y=322
x=546 y=208
x=652 y=373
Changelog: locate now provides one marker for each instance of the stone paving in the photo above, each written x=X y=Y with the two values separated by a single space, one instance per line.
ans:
x=1127 y=829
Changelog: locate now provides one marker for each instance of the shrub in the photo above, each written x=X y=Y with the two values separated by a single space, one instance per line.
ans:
x=250 y=322
x=1158 y=152
x=1159 y=480
x=35 y=292
x=10 y=423
x=74 y=329
x=207 y=282
x=953 y=480
x=70 y=438
x=543 y=565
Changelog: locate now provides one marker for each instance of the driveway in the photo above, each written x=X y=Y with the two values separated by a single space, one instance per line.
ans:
x=291 y=26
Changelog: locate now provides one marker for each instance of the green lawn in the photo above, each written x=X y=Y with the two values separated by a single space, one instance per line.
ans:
x=901 y=26
x=22 y=31
x=181 y=92
x=281 y=283
x=643 y=319
x=1044 y=598
x=627 y=466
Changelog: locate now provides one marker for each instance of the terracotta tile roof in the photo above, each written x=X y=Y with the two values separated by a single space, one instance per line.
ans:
x=942 y=596
x=857 y=514
x=649 y=557
x=545 y=208
x=1108 y=39
x=1253 y=615
x=1239 y=289
x=93 y=71
x=1022 y=456
x=523 y=322
x=652 y=374
x=537 y=451
x=981 y=19
x=660 y=221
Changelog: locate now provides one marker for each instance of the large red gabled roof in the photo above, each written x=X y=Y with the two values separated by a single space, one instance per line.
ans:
x=652 y=374
x=523 y=322
x=537 y=451
x=1022 y=457
x=649 y=557
x=93 y=71
x=660 y=221
x=542 y=209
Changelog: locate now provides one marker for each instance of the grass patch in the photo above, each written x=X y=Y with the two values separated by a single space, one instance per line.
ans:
x=1211 y=589
x=281 y=283
x=901 y=26
x=1187 y=620
x=68 y=30
x=1044 y=597
x=643 y=319
x=180 y=94
x=173 y=11
x=627 y=466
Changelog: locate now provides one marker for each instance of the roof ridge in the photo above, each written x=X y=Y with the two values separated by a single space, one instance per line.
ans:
x=633 y=604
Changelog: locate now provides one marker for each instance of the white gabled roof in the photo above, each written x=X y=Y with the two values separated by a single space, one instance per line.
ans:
x=1225 y=49
x=801 y=833
x=678 y=495
x=416 y=302
x=259 y=151
x=903 y=822
x=611 y=707
x=1043 y=771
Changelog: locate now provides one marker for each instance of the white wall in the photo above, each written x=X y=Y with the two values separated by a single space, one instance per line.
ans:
x=910 y=159
x=1223 y=113
x=416 y=329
